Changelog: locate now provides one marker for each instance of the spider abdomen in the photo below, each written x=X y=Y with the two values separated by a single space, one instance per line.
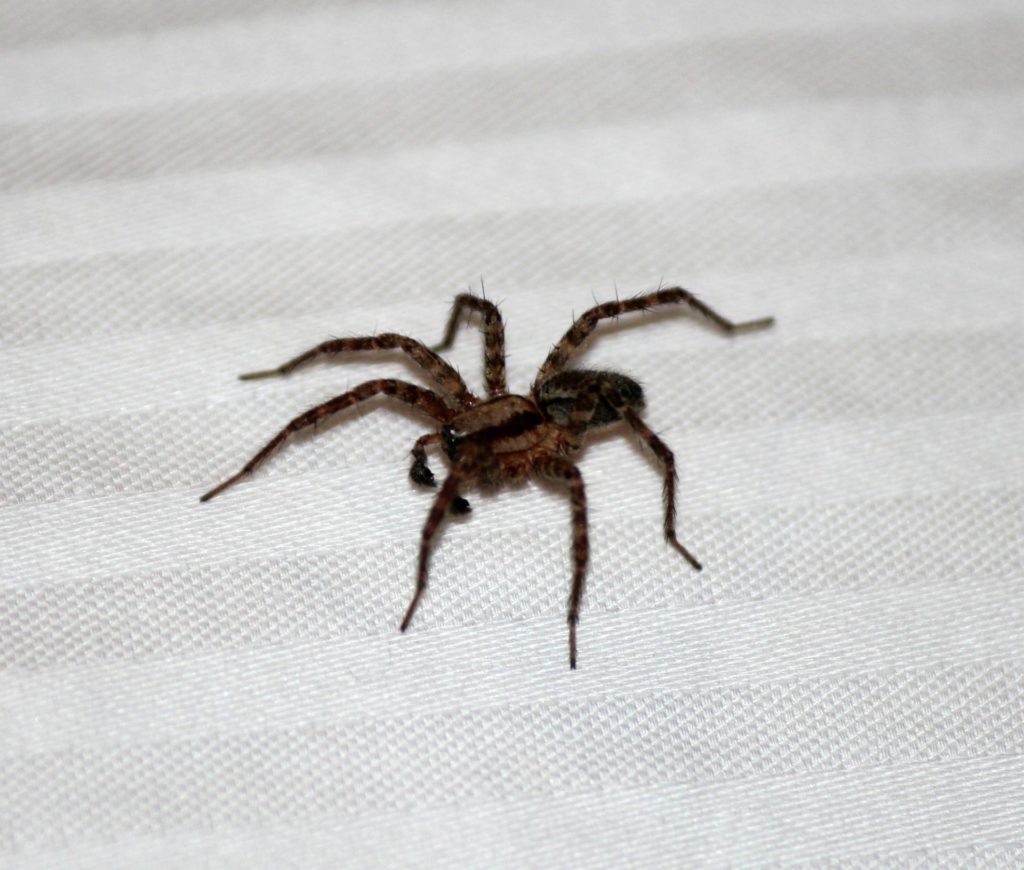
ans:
x=558 y=395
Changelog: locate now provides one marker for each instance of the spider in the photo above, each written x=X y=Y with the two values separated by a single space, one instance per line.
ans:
x=506 y=437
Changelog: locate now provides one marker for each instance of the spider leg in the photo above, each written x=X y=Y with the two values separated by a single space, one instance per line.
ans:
x=420 y=472
x=579 y=419
x=494 y=338
x=668 y=462
x=423 y=399
x=586 y=323
x=442 y=373
x=437 y=512
x=557 y=467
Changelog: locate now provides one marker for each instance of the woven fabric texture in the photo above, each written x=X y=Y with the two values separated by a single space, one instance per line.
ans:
x=191 y=190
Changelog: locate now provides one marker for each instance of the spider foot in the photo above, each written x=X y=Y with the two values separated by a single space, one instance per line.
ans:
x=411 y=609
x=753 y=325
x=686 y=554
x=268 y=373
x=460 y=506
x=220 y=487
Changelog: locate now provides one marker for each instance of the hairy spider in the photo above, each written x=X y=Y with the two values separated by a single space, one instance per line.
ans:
x=507 y=437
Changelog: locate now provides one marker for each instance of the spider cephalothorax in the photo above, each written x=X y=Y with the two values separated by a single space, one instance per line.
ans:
x=507 y=437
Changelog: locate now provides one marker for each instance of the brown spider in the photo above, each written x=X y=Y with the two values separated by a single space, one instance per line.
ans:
x=507 y=437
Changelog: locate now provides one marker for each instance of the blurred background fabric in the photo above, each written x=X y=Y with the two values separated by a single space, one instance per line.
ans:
x=191 y=190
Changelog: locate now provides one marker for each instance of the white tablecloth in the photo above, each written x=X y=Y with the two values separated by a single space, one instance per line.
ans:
x=193 y=190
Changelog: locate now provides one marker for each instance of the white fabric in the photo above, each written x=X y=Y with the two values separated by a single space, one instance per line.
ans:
x=193 y=190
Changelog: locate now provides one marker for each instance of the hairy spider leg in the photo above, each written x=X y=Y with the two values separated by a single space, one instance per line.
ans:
x=442 y=373
x=494 y=338
x=560 y=467
x=585 y=324
x=421 y=474
x=437 y=512
x=579 y=418
x=556 y=467
x=423 y=399
x=668 y=462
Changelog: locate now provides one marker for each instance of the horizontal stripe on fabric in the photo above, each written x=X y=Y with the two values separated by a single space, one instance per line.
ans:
x=731 y=384
x=396 y=40
x=323 y=596
x=783 y=464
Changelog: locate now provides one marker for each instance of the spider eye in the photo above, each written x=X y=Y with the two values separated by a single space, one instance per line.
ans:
x=451 y=438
